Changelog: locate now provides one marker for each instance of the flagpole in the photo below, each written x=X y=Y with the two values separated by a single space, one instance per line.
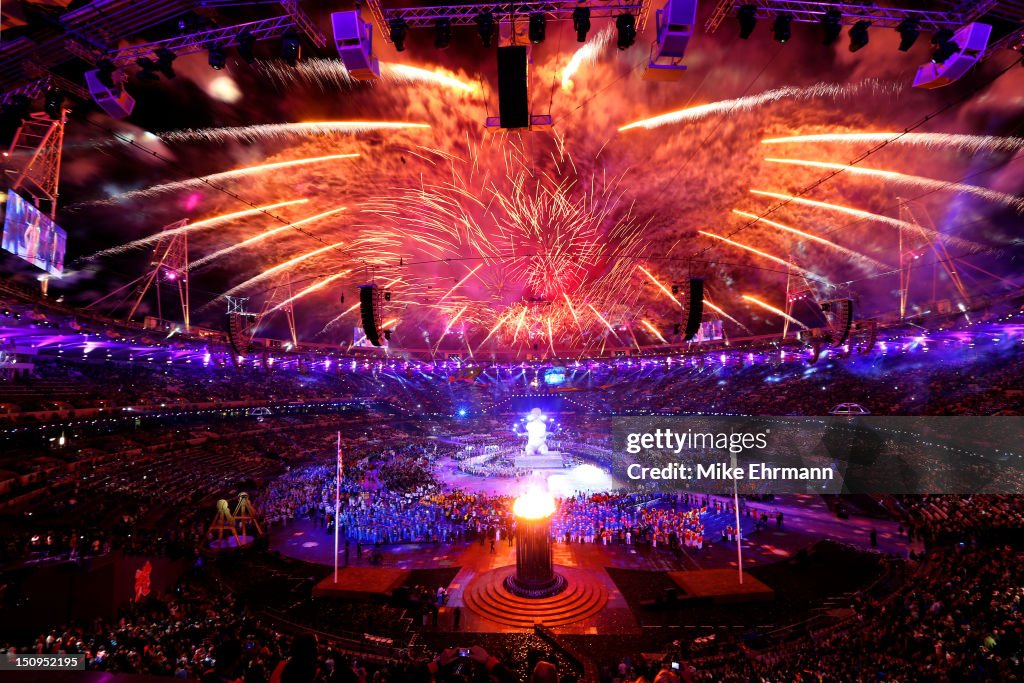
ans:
x=337 y=509
x=739 y=534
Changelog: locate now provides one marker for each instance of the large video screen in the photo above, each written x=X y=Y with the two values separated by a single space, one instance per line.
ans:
x=710 y=330
x=32 y=236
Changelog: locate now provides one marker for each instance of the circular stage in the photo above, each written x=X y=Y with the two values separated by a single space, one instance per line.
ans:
x=487 y=597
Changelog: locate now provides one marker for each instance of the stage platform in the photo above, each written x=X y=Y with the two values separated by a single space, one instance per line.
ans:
x=361 y=583
x=551 y=461
x=721 y=587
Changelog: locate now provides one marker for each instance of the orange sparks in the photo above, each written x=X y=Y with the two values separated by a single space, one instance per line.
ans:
x=662 y=287
x=287 y=264
x=262 y=236
x=908 y=179
x=204 y=223
x=813 y=238
x=654 y=331
x=606 y=323
x=772 y=309
x=762 y=254
x=309 y=290
x=459 y=283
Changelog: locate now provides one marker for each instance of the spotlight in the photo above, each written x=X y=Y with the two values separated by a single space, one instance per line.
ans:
x=485 y=25
x=832 y=25
x=442 y=33
x=164 y=61
x=538 y=28
x=217 y=57
x=247 y=46
x=859 y=35
x=908 y=30
x=943 y=46
x=581 y=23
x=626 y=25
x=747 y=16
x=781 y=28
x=291 y=48
x=148 y=67
x=13 y=114
x=399 y=30
x=106 y=70
x=53 y=103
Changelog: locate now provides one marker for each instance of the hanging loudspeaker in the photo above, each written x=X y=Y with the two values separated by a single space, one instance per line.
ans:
x=367 y=308
x=696 y=311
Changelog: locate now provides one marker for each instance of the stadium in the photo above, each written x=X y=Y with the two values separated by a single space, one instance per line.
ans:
x=597 y=342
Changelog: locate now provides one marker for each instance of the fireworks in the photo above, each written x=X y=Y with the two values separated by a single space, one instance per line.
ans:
x=198 y=225
x=560 y=241
x=822 y=90
x=587 y=54
x=963 y=143
x=906 y=179
x=810 y=274
x=283 y=267
x=309 y=290
x=866 y=215
x=856 y=255
x=314 y=70
x=772 y=309
x=654 y=331
x=662 y=287
x=269 y=131
x=441 y=77
x=267 y=234
x=534 y=239
x=190 y=183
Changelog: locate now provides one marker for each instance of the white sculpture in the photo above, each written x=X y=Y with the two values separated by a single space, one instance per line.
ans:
x=536 y=433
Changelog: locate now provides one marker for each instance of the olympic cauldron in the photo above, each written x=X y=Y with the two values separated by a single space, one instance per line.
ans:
x=535 y=575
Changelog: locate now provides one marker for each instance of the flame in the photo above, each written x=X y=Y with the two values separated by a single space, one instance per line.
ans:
x=534 y=504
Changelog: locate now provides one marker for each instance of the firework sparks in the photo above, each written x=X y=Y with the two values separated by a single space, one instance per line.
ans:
x=907 y=179
x=442 y=77
x=654 y=331
x=538 y=238
x=309 y=290
x=964 y=143
x=263 y=236
x=460 y=282
x=776 y=259
x=179 y=185
x=268 y=131
x=821 y=90
x=336 y=319
x=772 y=309
x=315 y=70
x=585 y=55
x=662 y=287
x=448 y=327
x=281 y=267
x=606 y=323
x=866 y=215
x=725 y=315
x=814 y=238
x=198 y=225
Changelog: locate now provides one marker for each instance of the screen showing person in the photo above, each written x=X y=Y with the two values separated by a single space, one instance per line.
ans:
x=32 y=236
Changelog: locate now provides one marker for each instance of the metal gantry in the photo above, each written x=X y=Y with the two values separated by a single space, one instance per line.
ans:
x=93 y=32
x=32 y=164
x=264 y=29
x=168 y=264
x=884 y=17
x=465 y=15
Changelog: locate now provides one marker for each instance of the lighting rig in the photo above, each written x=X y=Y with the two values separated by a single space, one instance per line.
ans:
x=959 y=41
x=93 y=37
